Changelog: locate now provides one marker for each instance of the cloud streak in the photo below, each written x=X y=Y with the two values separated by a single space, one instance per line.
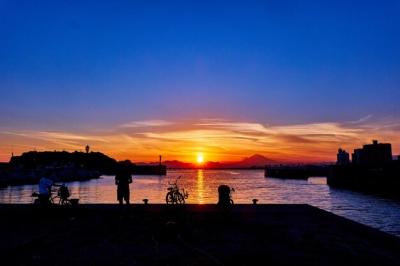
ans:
x=219 y=140
x=147 y=123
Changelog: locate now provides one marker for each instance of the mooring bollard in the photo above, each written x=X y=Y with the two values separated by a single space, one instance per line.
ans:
x=255 y=201
x=145 y=201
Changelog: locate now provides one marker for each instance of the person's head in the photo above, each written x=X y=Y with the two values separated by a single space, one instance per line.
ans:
x=123 y=166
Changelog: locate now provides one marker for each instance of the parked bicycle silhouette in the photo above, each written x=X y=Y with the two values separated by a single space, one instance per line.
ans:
x=174 y=195
x=59 y=195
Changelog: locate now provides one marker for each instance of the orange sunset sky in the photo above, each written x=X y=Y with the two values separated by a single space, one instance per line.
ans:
x=216 y=139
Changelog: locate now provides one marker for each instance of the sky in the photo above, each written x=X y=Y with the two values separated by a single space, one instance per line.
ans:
x=291 y=80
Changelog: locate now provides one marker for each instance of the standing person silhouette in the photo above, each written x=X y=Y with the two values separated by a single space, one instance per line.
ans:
x=122 y=179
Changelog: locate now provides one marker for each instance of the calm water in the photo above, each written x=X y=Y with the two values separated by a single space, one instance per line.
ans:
x=202 y=186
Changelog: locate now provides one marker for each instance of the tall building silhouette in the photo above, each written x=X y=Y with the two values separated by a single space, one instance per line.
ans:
x=343 y=157
x=373 y=154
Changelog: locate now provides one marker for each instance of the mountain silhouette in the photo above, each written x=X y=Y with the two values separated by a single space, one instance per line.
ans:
x=254 y=161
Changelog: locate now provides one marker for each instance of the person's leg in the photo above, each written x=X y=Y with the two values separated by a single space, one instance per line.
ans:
x=120 y=196
x=127 y=196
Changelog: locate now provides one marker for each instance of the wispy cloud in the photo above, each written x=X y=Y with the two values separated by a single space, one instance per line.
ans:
x=218 y=139
x=147 y=123
x=362 y=119
x=237 y=126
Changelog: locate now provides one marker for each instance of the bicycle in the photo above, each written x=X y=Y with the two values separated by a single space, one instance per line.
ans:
x=62 y=194
x=174 y=195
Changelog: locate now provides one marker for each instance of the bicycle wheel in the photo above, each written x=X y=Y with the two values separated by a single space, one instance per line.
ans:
x=53 y=200
x=169 y=198
x=180 y=198
x=65 y=202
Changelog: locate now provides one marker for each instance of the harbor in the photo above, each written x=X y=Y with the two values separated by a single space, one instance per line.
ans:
x=199 y=133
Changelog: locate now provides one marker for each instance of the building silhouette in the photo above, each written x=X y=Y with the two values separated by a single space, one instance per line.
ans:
x=343 y=157
x=373 y=154
x=373 y=170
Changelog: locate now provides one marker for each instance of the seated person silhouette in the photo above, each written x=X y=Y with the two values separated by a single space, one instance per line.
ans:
x=224 y=195
x=45 y=184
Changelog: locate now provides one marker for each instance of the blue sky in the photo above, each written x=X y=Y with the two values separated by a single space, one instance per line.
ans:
x=84 y=65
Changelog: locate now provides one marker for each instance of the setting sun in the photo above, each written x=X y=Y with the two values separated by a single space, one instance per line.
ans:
x=200 y=158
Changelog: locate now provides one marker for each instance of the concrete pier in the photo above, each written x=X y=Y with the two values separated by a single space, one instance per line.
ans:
x=189 y=235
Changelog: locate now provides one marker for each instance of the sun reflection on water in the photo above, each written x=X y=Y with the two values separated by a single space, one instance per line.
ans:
x=200 y=186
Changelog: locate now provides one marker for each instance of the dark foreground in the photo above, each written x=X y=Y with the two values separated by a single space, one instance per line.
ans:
x=189 y=235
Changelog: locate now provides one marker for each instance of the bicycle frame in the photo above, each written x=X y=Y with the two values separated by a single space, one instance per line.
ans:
x=55 y=195
x=174 y=195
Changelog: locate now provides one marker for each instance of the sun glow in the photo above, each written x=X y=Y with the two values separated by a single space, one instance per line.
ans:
x=200 y=158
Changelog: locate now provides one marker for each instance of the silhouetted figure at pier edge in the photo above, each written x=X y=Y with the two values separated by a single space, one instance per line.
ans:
x=122 y=179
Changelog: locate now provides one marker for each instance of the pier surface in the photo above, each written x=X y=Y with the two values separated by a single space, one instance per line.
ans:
x=189 y=235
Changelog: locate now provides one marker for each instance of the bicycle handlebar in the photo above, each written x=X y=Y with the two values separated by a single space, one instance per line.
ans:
x=176 y=181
